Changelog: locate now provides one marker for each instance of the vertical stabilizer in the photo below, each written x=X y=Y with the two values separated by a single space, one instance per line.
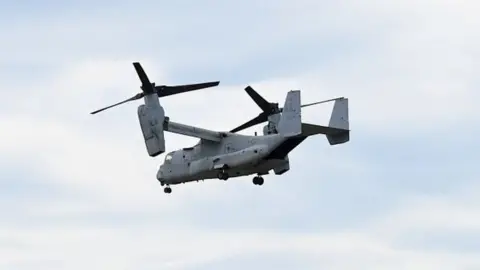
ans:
x=339 y=120
x=290 y=123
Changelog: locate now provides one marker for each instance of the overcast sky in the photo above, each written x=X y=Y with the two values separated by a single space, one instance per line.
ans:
x=79 y=191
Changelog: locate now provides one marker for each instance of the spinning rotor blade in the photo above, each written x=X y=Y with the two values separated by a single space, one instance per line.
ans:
x=261 y=102
x=137 y=96
x=147 y=86
x=263 y=117
x=267 y=109
x=165 y=90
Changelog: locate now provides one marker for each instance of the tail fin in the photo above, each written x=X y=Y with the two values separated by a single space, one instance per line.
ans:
x=338 y=129
x=339 y=120
x=290 y=123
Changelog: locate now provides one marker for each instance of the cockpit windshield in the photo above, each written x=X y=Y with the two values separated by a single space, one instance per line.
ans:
x=168 y=158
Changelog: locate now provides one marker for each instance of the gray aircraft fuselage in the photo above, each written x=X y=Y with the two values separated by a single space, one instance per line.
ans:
x=245 y=155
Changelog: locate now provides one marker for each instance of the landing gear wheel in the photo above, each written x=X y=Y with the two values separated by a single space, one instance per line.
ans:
x=223 y=175
x=258 y=180
x=167 y=190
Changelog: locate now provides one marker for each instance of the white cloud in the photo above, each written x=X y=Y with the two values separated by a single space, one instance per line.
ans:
x=456 y=211
x=177 y=248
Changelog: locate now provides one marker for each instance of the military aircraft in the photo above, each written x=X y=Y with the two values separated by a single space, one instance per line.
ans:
x=226 y=154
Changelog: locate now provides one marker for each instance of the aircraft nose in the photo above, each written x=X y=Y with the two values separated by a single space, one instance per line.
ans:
x=160 y=174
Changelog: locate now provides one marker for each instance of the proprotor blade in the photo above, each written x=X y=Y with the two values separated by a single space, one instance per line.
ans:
x=137 y=96
x=268 y=109
x=147 y=86
x=262 y=117
x=261 y=102
x=165 y=90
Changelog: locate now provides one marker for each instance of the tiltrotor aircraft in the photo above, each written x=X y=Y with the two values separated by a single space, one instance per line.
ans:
x=222 y=154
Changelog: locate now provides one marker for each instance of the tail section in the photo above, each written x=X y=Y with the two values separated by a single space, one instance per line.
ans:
x=290 y=123
x=339 y=120
x=338 y=129
x=339 y=117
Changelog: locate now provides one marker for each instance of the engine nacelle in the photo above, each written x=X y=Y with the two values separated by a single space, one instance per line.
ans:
x=151 y=121
x=269 y=129
x=271 y=126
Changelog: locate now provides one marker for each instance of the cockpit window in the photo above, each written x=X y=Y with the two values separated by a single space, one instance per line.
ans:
x=168 y=158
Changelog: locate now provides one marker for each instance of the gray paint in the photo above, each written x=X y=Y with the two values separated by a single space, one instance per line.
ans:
x=240 y=155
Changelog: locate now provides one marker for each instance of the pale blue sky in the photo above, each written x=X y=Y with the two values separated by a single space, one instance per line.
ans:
x=79 y=191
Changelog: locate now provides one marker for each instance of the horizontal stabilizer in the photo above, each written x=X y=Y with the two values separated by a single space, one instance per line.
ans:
x=334 y=135
x=310 y=129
